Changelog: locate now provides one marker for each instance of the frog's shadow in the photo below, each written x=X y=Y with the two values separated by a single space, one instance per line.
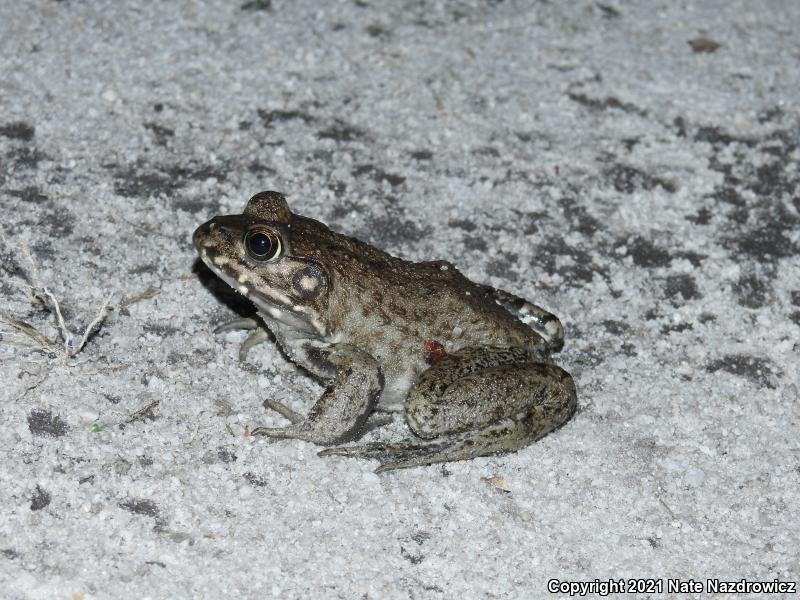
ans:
x=223 y=292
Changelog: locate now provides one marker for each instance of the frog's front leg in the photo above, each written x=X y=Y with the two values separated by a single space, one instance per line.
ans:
x=258 y=334
x=341 y=413
x=477 y=402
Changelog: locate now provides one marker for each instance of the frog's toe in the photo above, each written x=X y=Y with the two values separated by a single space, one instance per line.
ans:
x=400 y=464
x=290 y=432
x=283 y=410
x=256 y=337
x=257 y=334
x=246 y=323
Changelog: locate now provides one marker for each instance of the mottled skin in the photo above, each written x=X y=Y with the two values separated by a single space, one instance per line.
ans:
x=355 y=315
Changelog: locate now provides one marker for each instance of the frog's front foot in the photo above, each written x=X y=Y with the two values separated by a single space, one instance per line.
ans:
x=297 y=431
x=257 y=334
x=279 y=407
x=300 y=428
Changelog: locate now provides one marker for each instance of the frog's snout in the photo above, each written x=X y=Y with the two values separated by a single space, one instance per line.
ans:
x=201 y=238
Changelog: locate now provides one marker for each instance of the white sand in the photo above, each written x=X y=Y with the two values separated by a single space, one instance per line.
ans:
x=588 y=158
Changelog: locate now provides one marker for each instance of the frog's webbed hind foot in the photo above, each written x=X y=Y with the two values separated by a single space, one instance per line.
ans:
x=507 y=435
x=257 y=334
x=403 y=455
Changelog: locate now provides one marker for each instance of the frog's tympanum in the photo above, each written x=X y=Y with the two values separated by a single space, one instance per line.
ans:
x=457 y=358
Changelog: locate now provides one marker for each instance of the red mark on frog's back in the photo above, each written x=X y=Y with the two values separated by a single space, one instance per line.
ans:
x=433 y=352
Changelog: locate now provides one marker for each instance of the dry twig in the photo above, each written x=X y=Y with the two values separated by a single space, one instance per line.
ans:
x=142 y=411
x=38 y=293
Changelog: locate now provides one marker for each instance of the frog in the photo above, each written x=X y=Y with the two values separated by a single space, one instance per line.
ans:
x=468 y=366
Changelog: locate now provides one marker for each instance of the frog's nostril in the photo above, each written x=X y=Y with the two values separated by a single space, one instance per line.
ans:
x=210 y=234
x=205 y=235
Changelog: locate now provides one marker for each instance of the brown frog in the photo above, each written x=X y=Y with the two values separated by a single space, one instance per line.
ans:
x=458 y=358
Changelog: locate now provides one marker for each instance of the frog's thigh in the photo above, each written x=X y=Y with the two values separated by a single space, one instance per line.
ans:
x=536 y=397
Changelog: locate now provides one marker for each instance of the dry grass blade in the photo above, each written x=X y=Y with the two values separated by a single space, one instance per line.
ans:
x=39 y=294
x=40 y=340
x=93 y=326
x=150 y=292
x=142 y=411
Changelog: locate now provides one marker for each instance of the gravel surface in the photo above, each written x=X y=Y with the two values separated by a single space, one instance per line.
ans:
x=631 y=166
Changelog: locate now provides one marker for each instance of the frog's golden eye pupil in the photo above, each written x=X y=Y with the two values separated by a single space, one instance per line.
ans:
x=262 y=245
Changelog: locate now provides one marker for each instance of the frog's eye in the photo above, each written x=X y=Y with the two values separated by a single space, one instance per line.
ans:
x=262 y=244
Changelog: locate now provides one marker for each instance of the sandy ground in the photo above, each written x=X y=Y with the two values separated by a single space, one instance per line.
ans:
x=631 y=166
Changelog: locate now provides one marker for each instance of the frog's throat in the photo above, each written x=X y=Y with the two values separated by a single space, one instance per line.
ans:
x=276 y=306
x=297 y=317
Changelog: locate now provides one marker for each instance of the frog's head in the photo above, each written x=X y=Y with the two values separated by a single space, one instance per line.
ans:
x=252 y=253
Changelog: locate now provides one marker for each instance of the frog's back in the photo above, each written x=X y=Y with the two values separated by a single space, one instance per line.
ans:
x=390 y=306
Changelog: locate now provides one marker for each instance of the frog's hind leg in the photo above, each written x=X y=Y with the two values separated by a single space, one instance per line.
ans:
x=530 y=313
x=479 y=402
